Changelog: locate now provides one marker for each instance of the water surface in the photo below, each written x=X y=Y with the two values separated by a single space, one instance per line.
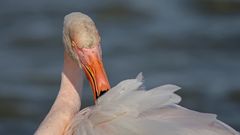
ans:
x=192 y=44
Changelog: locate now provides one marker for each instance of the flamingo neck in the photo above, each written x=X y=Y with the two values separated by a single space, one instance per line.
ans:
x=67 y=103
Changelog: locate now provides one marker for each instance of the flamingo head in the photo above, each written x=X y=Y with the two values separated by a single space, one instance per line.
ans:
x=82 y=43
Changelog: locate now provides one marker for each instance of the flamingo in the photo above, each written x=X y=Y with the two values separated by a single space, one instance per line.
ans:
x=127 y=108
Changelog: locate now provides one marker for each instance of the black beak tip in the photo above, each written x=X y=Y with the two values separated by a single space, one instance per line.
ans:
x=102 y=93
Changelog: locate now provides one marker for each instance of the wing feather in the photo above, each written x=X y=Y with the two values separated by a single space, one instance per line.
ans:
x=128 y=109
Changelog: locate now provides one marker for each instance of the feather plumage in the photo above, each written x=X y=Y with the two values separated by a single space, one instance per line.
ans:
x=129 y=109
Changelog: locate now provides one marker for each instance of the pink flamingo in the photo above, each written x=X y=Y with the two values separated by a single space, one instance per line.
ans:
x=127 y=109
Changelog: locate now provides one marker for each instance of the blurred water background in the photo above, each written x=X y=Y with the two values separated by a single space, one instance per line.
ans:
x=191 y=43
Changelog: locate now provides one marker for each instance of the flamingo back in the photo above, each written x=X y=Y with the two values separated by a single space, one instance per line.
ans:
x=129 y=109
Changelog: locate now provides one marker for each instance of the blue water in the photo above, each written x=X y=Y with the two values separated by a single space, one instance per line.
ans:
x=192 y=44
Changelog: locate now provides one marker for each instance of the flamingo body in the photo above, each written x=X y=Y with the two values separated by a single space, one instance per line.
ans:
x=128 y=109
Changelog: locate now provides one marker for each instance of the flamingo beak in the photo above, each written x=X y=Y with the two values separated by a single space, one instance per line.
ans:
x=91 y=63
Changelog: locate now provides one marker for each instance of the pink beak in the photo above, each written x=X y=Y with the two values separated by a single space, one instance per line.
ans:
x=91 y=62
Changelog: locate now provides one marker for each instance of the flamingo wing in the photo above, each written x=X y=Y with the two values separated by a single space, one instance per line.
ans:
x=129 y=109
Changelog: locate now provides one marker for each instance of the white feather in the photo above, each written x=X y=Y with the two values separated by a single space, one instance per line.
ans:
x=128 y=109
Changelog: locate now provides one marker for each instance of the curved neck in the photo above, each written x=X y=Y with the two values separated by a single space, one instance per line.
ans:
x=68 y=101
